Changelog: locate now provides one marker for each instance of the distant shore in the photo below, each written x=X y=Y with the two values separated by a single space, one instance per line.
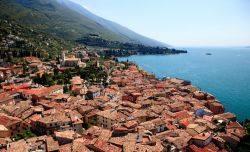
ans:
x=214 y=75
x=151 y=51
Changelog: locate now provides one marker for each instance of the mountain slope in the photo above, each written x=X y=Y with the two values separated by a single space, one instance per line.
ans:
x=66 y=22
x=114 y=27
x=53 y=18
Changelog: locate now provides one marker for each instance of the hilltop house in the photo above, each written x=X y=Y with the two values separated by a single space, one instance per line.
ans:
x=71 y=60
x=202 y=139
x=10 y=125
x=41 y=92
x=78 y=86
x=93 y=92
x=57 y=121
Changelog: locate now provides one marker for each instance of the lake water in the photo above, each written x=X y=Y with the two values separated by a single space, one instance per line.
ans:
x=225 y=73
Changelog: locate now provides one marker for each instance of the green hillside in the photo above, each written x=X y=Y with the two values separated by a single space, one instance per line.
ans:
x=52 y=17
x=112 y=26
x=47 y=24
x=16 y=37
x=45 y=27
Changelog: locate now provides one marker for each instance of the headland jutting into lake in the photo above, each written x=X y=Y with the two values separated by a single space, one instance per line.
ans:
x=103 y=105
x=224 y=74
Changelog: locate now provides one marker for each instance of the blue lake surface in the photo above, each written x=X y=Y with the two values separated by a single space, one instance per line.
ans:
x=225 y=73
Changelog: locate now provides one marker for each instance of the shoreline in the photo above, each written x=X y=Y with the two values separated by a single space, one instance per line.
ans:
x=207 y=76
x=127 y=53
x=169 y=78
x=174 y=101
x=131 y=105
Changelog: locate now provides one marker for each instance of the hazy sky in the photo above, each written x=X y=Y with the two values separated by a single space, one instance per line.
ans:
x=180 y=22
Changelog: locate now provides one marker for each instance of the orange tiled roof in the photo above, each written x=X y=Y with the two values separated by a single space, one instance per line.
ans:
x=104 y=98
x=41 y=91
x=202 y=136
x=9 y=87
x=8 y=120
x=182 y=114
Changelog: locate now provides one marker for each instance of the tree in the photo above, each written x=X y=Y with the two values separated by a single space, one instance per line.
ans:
x=56 y=71
x=60 y=81
x=24 y=135
x=25 y=68
x=65 y=89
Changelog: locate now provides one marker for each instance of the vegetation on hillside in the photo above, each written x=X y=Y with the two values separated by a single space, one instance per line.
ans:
x=91 y=73
x=132 y=36
x=45 y=27
x=116 y=48
x=52 y=17
x=18 y=41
